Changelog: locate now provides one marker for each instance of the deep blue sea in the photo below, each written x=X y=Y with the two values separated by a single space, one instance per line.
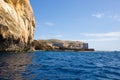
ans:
x=49 y=65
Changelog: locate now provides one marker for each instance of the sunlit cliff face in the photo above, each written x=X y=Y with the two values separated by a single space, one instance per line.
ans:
x=16 y=24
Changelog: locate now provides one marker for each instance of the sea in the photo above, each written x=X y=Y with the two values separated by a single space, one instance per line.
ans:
x=60 y=65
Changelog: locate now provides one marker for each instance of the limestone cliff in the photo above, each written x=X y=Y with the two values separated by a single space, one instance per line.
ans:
x=16 y=25
x=55 y=45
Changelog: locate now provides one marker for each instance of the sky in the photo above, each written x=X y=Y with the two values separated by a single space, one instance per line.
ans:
x=96 y=22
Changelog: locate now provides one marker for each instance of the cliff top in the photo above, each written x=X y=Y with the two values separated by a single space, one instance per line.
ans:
x=60 y=41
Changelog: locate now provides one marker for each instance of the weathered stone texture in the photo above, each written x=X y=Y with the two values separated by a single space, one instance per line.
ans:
x=16 y=25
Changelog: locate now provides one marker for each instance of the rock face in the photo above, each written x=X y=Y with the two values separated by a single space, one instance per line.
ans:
x=16 y=25
x=54 y=44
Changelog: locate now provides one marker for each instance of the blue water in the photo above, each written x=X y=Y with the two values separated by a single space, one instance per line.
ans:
x=43 y=65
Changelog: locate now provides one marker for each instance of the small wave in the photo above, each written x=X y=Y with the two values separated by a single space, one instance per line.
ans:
x=61 y=66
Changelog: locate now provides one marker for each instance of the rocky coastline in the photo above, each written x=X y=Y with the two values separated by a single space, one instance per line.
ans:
x=17 y=26
x=60 y=45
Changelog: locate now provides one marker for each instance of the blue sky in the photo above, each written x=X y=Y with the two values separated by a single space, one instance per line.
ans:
x=94 y=21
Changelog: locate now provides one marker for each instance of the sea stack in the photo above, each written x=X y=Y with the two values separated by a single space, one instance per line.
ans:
x=16 y=25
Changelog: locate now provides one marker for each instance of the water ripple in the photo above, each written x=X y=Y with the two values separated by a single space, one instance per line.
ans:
x=48 y=65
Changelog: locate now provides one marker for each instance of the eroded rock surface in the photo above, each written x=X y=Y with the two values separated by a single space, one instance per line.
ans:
x=16 y=25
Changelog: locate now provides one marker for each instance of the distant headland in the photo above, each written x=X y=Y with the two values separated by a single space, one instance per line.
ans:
x=60 y=45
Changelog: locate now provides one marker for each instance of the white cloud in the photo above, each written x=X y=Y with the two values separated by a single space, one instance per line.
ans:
x=45 y=24
x=107 y=16
x=98 y=15
x=49 y=24
x=115 y=17
x=103 y=39
x=58 y=36
x=98 y=39
x=109 y=34
x=47 y=36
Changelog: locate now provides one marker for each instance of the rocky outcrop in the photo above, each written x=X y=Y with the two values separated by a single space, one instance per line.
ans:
x=16 y=25
x=55 y=45
x=42 y=45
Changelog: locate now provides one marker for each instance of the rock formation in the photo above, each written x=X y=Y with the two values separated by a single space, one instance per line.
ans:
x=55 y=45
x=16 y=25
